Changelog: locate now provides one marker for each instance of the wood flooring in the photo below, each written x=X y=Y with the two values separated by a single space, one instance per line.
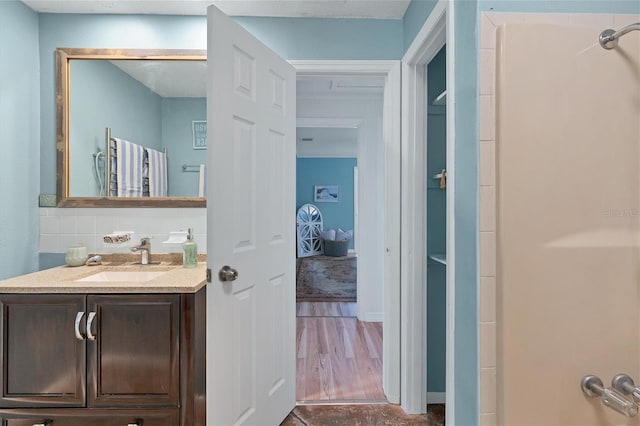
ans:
x=339 y=359
x=326 y=309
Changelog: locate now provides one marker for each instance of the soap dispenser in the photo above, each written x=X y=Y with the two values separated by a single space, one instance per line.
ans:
x=190 y=251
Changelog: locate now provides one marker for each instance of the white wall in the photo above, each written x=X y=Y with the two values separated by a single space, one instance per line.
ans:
x=60 y=228
x=370 y=232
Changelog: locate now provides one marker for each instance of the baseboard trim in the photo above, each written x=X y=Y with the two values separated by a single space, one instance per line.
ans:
x=373 y=317
x=436 y=397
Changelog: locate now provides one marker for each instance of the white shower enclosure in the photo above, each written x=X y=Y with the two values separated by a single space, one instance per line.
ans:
x=568 y=221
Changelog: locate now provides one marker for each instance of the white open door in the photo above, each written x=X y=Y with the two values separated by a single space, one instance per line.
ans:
x=250 y=222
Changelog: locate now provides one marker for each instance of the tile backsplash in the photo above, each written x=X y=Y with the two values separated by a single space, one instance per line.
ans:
x=59 y=228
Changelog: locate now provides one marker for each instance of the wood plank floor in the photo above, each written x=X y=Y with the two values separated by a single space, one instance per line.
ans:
x=339 y=359
x=326 y=309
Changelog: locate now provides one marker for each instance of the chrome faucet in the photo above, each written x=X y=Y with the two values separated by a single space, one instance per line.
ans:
x=145 y=250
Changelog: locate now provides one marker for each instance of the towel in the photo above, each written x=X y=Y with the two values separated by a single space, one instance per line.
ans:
x=157 y=173
x=202 y=181
x=128 y=171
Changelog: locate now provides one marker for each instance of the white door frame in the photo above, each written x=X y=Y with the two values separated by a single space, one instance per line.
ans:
x=390 y=246
x=435 y=33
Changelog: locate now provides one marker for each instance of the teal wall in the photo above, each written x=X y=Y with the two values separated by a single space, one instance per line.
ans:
x=19 y=139
x=328 y=171
x=436 y=226
x=312 y=38
x=50 y=260
x=466 y=360
x=177 y=137
x=102 y=95
x=414 y=18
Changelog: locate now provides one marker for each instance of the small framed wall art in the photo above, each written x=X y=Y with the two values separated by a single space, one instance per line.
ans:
x=326 y=193
x=199 y=134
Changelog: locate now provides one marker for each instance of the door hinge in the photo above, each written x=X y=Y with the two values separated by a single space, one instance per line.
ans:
x=208 y=275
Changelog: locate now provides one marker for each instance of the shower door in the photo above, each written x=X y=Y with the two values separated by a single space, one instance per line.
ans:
x=568 y=221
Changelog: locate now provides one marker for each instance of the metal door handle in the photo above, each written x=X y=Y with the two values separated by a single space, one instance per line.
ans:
x=227 y=273
x=90 y=335
x=76 y=328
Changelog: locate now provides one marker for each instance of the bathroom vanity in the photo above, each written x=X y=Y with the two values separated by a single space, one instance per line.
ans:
x=104 y=345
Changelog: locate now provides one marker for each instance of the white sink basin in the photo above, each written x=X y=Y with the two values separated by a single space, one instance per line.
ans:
x=122 y=276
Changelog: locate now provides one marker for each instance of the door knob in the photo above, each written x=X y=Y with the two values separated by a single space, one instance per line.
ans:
x=227 y=273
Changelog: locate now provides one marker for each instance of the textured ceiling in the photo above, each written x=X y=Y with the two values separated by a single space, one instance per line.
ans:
x=187 y=79
x=376 y=9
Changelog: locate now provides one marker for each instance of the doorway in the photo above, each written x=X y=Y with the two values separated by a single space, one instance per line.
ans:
x=339 y=323
x=436 y=224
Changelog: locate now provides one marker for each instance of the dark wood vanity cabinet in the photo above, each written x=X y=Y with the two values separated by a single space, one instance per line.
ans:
x=43 y=363
x=79 y=417
x=134 y=359
x=68 y=356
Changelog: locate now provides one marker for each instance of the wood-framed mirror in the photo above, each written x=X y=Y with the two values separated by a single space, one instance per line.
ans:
x=155 y=100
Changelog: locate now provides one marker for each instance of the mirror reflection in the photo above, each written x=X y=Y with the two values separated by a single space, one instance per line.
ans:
x=131 y=127
x=155 y=111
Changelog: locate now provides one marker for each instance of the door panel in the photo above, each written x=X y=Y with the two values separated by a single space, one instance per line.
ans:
x=44 y=361
x=244 y=184
x=251 y=106
x=135 y=357
x=244 y=349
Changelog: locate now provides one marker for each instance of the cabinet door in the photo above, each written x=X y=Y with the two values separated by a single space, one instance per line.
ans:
x=43 y=361
x=134 y=359
x=64 y=417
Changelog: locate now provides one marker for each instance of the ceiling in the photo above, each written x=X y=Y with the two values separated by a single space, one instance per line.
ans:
x=188 y=79
x=169 y=79
x=372 y=9
x=326 y=142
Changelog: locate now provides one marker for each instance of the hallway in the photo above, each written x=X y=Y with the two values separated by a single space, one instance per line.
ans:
x=339 y=359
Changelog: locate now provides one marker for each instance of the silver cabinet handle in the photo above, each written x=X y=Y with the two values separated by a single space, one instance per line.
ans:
x=79 y=335
x=133 y=424
x=42 y=424
x=90 y=335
